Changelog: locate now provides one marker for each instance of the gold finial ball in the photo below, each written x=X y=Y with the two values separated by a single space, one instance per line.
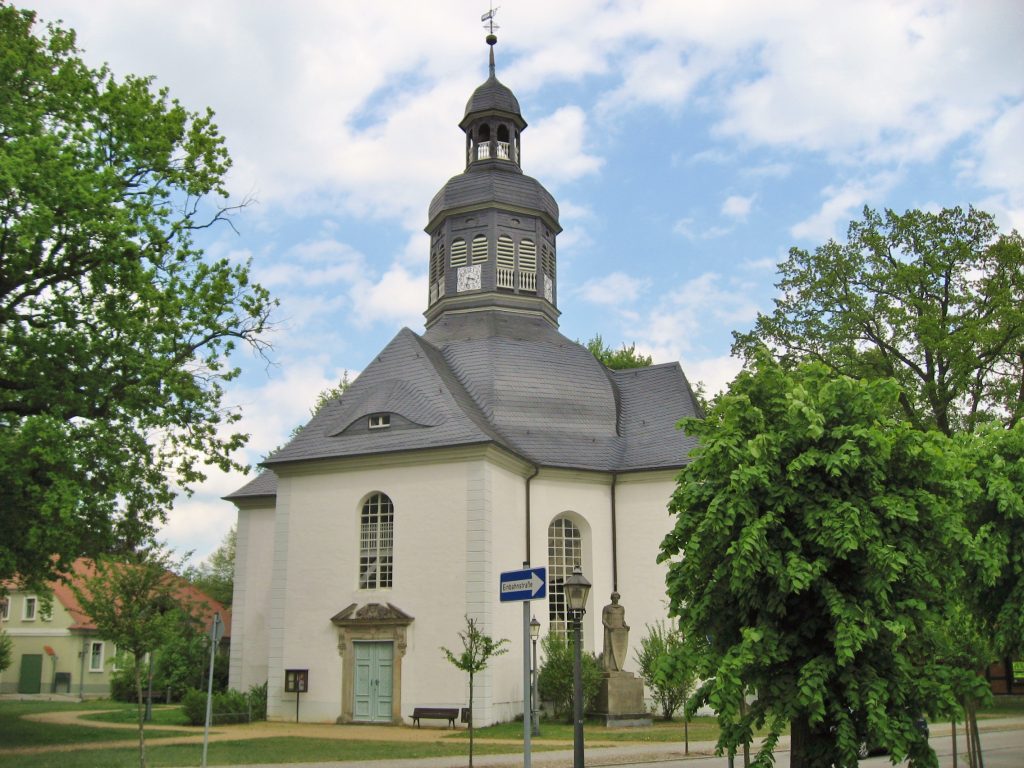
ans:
x=491 y=39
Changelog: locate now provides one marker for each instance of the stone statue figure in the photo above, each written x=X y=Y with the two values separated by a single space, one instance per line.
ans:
x=616 y=635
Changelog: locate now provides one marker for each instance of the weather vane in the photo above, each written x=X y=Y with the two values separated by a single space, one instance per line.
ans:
x=490 y=26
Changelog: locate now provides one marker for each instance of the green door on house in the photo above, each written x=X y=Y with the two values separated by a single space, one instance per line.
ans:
x=30 y=679
x=373 y=686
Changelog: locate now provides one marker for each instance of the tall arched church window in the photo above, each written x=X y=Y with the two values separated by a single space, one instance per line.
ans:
x=565 y=550
x=506 y=262
x=483 y=142
x=458 y=252
x=527 y=265
x=479 y=249
x=376 y=542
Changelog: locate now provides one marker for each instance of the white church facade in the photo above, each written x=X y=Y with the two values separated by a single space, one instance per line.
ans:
x=486 y=442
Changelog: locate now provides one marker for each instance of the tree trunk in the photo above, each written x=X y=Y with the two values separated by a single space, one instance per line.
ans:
x=808 y=748
x=141 y=711
x=470 y=720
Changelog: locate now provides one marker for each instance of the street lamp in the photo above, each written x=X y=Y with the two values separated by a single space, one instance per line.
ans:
x=535 y=702
x=576 y=588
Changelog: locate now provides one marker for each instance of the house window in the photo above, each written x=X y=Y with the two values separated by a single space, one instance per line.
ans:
x=380 y=421
x=458 y=252
x=5 y=609
x=565 y=550
x=96 y=656
x=479 y=249
x=29 y=614
x=376 y=541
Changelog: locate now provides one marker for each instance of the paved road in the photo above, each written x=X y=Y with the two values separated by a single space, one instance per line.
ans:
x=1002 y=742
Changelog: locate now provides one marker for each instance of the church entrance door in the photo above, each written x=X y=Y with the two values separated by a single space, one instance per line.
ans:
x=373 y=681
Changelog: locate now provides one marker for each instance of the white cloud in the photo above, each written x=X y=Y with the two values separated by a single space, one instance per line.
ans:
x=553 y=147
x=613 y=290
x=398 y=298
x=841 y=205
x=737 y=206
x=714 y=372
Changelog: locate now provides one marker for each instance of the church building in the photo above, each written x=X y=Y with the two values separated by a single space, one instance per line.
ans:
x=485 y=442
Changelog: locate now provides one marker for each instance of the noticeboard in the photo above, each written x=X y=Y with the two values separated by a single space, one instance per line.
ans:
x=296 y=680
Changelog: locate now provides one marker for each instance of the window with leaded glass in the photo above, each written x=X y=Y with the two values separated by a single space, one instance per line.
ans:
x=565 y=550
x=376 y=542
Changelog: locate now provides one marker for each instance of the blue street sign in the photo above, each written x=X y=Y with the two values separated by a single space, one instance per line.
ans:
x=527 y=584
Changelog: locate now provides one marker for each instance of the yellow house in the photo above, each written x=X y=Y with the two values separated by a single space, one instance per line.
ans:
x=56 y=647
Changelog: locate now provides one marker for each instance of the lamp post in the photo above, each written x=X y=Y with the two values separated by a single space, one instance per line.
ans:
x=576 y=588
x=534 y=701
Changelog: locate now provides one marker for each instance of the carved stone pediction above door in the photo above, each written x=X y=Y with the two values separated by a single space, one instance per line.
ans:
x=373 y=622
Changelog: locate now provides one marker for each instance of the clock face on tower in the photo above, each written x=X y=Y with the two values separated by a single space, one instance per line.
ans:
x=469 y=278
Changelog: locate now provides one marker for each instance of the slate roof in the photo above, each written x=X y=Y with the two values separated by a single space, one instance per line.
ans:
x=501 y=184
x=505 y=379
x=492 y=94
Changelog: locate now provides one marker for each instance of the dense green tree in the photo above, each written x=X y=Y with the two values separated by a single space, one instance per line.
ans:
x=5 y=650
x=478 y=648
x=135 y=602
x=115 y=331
x=617 y=359
x=814 y=559
x=663 y=666
x=216 y=575
x=932 y=300
x=555 y=680
x=996 y=515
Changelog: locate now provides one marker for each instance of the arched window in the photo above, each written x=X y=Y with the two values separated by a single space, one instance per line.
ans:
x=565 y=550
x=376 y=542
x=479 y=249
x=458 y=252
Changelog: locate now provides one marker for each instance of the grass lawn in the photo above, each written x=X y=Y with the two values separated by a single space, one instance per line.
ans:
x=279 y=750
x=163 y=714
x=19 y=732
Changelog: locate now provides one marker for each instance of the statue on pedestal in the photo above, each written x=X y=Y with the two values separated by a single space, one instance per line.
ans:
x=616 y=635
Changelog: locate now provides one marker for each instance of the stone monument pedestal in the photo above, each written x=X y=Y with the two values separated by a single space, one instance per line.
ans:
x=621 y=701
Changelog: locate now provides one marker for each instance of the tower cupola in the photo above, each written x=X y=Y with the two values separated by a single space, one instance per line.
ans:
x=492 y=228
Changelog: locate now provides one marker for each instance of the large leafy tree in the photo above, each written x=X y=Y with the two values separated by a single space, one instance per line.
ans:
x=115 y=331
x=813 y=560
x=933 y=300
x=216 y=575
x=617 y=359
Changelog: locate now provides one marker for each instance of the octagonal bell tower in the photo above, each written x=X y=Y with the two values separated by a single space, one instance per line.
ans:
x=492 y=228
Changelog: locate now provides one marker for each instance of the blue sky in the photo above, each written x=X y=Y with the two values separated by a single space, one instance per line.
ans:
x=689 y=146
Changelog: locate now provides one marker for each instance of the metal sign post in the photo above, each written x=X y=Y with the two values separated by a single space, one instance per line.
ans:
x=215 y=633
x=524 y=586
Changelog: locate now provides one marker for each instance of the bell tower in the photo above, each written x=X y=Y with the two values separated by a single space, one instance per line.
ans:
x=492 y=228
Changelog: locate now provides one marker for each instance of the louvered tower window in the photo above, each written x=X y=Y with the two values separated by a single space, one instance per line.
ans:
x=565 y=550
x=479 y=249
x=376 y=542
x=506 y=262
x=527 y=265
x=458 y=252
x=547 y=256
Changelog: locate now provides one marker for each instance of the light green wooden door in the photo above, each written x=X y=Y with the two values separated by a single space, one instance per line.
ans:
x=30 y=679
x=373 y=688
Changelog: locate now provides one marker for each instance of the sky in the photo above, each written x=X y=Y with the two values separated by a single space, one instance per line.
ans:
x=689 y=145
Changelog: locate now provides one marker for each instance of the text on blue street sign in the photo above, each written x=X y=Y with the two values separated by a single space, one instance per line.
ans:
x=527 y=584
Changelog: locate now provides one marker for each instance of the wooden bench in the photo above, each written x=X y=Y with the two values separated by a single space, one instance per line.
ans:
x=435 y=713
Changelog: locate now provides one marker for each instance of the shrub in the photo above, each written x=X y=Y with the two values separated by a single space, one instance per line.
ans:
x=228 y=707
x=258 y=702
x=555 y=681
